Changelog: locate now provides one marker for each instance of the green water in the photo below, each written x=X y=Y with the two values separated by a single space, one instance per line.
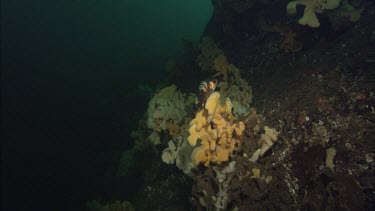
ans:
x=70 y=69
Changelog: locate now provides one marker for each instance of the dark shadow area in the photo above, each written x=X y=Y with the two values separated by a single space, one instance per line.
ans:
x=70 y=72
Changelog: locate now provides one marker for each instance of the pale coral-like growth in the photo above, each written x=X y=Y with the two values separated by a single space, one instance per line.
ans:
x=183 y=160
x=224 y=177
x=233 y=86
x=331 y=153
x=154 y=138
x=267 y=140
x=311 y=8
x=241 y=95
x=169 y=154
x=166 y=110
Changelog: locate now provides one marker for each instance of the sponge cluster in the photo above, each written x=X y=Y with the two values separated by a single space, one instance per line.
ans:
x=213 y=132
x=166 y=109
x=311 y=8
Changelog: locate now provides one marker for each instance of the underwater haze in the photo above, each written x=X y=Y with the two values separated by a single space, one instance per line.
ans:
x=70 y=72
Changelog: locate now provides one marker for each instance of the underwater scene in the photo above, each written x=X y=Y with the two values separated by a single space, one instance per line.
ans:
x=176 y=105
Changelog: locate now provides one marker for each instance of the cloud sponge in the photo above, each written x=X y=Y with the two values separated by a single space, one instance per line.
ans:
x=311 y=8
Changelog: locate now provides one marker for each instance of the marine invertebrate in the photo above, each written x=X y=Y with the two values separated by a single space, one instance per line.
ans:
x=218 y=135
x=154 y=138
x=267 y=140
x=166 y=110
x=224 y=177
x=237 y=89
x=169 y=154
x=311 y=8
x=206 y=89
x=331 y=153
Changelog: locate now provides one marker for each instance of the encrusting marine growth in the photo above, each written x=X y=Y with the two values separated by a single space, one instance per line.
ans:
x=214 y=127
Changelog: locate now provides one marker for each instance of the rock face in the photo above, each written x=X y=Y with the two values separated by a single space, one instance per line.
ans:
x=313 y=100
